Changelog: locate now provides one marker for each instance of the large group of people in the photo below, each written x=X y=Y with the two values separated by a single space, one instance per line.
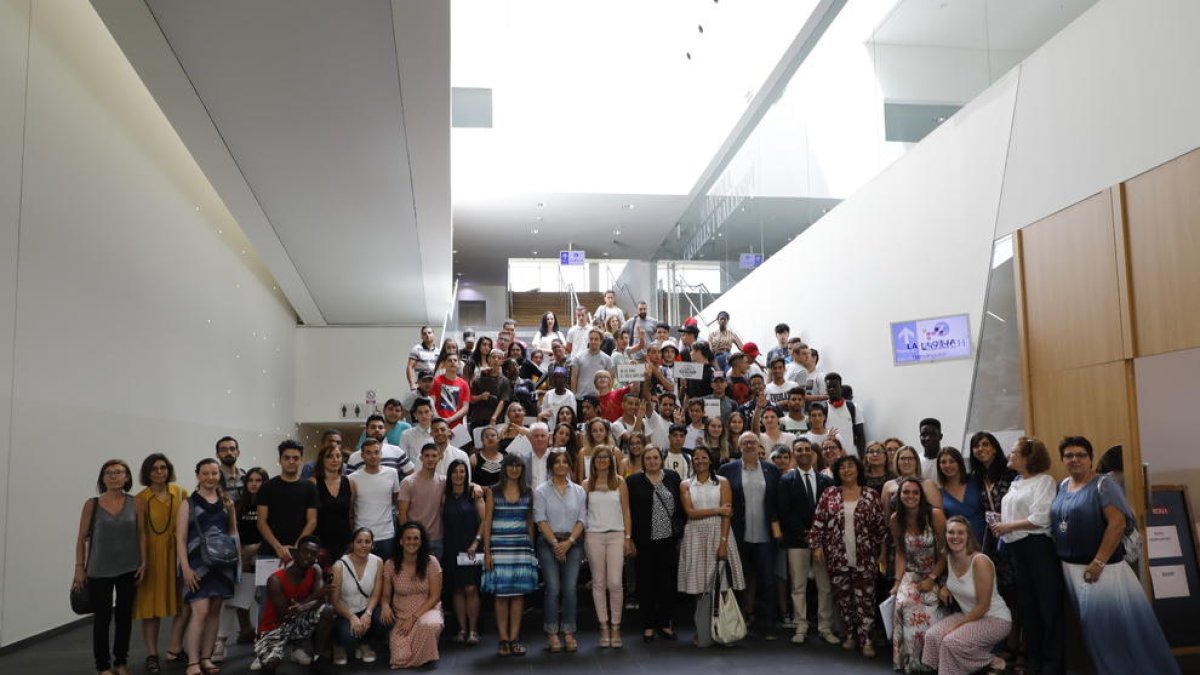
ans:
x=507 y=467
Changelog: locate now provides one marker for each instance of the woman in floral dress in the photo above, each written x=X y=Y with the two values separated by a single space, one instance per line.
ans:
x=918 y=529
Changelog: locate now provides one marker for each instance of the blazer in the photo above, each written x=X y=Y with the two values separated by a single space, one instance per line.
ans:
x=732 y=471
x=795 y=510
x=641 y=503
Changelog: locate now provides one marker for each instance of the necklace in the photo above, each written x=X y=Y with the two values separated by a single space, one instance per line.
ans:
x=170 y=515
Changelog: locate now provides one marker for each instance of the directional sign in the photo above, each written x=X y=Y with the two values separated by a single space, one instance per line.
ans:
x=572 y=258
x=749 y=261
x=926 y=340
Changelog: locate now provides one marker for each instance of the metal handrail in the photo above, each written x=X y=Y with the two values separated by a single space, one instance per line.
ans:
x=617 y=286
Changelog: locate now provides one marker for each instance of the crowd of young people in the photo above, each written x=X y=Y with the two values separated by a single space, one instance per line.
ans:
x=617 y=445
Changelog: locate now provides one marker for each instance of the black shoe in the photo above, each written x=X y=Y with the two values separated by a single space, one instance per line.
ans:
x=667 y=634
x=647 y=638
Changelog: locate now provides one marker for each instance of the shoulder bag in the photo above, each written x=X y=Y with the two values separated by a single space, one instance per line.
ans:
x=728 y=626
x=81 y=600
x=217 y=549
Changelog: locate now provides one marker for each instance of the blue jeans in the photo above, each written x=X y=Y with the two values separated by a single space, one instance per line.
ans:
x=345 y=637
x=562 y=579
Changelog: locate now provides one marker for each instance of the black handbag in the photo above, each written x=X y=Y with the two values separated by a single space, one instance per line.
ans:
x=217 y=549
x=81 y=599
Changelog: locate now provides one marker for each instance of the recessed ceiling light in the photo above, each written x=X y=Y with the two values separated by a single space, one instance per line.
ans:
x=533 y=252
x=535 y=231
x=720 y=234
x=455 y=251
x=606 y=253
x=539 y=219
x=617 y=232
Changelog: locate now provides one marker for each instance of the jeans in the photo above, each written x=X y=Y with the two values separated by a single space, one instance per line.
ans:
x=345 y=637
x=758 y=560
x=101 y=591
x=384 y=548
x=562 y=579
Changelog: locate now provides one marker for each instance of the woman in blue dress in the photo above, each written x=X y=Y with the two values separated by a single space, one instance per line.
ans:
x=960 y=496
x=1088 y=520
x=509 y=563
x=211 y=511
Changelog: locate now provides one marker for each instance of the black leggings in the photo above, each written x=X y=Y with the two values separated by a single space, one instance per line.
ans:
x=655 y=565
x=1040 y=591
x=101 y=591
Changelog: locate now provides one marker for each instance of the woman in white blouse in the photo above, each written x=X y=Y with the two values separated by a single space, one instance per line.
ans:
x=1024 y=528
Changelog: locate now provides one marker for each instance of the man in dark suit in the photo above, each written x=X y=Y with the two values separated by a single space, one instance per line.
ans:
x=799 y=491
x=755 y=484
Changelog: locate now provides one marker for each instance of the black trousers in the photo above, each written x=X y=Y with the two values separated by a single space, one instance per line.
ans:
x=1040 y=590
x=101 y=590
x=656 y=564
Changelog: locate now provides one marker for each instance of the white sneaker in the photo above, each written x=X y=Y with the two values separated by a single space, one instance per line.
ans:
x=256 y=665
x=301 y=657
x=218 y=655
x=339 y=656
x=368 y=655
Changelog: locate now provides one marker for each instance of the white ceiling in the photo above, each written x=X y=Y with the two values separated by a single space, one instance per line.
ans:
x=596 y=105
x=1006 y=25
x=325 y=129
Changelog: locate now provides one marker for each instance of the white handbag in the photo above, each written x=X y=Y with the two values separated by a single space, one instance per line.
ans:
x=728 y=626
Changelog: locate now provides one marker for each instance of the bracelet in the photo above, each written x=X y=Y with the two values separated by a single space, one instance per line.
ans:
x=572 y=540
x=1099 y=562
x=724 y=538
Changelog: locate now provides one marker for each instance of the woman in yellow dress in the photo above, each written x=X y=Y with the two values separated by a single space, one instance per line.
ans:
x=158 y=596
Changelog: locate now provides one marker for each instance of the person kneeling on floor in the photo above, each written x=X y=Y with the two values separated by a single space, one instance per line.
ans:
x=297 y=609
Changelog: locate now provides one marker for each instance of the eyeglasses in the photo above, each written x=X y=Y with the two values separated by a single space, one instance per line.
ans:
x=875 y=451
x=114 y=473
x=1074 y=455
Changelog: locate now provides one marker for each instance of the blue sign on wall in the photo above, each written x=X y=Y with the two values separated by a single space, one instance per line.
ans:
x=926 y=340
x=749 y=261
x=572 y=258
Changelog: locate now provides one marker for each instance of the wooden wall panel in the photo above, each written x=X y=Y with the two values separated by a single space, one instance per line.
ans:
x=1163 y=212
x=1072 y=306
x=1093 y=401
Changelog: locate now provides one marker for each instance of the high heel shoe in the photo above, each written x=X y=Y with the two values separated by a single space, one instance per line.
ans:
x=605 y=641
x=614 y=636
x=648 y=636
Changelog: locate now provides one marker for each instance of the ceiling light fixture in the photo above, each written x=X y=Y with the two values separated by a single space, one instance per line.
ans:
x=535 y=231
x=533 y=252
x=617 y=233
x=629 y=206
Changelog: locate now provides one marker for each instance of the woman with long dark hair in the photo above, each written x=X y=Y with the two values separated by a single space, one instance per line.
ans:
x=335 y=498
x=357 y=599
x=548 y=332
x=478 y=359
x=485 y=464
x=110 y=555
x=509 y=564
x=917 y=528
x=412 y=586
x=251 y=539
x=463 y=510
x=991 y=473
x=208 y=512
x=961 y=496
x=158 y=595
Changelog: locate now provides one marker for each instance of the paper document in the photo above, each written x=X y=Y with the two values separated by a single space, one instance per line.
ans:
x=887 y=610
x=688 y=370
x=1163 y=542
x=631 y=372
x=1169 y=581
x=263 y=569
x=465 y=560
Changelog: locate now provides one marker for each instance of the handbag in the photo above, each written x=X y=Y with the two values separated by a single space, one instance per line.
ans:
x=81 y=599
x=728 y=626
x=217 y=549
x=676 y=523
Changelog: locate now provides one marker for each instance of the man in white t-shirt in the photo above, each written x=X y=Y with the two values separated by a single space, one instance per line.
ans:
x=630 y=420
x=440 y=430
x=557 y=395
x=577 y=335
x=778 y=387
x=795 y=421
x=376 y=488
x=658 y=424
x=804 y=371
x=414 y=439
x=676 y=459
x=930 y=431
x=842 y=416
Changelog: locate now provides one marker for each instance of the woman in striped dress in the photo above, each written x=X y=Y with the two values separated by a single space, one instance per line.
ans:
x=509 y=563
x=708 y=504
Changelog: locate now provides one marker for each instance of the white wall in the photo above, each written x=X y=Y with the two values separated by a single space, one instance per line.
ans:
x=496 y=298
x=130 y=321
x=1109 y=97
x=642 y=279
x=1168 y=386
x=336 y=365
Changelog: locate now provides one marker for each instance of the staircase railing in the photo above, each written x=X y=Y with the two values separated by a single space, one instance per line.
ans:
x=618 y=287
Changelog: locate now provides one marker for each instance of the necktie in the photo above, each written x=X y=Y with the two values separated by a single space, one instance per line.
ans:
x=812 y=494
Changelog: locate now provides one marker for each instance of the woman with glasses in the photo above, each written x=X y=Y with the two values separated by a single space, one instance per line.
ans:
x=1089 y=519
x=878 y=471
x=908 y=465
x=110 y=555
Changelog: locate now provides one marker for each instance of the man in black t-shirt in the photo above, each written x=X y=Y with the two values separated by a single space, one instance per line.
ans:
x=287 y=506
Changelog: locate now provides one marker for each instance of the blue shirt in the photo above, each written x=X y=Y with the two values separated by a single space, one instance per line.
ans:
x=1077 y=520
x=561 y=511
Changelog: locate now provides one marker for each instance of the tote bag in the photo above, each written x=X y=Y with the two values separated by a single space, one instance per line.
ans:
x=728 y=626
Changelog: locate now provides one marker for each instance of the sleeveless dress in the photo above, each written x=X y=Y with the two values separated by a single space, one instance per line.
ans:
x=514 y=565
x=158 y=595
x=971 y=507
x=915 y=611
x=215 y=582
x=460 y=522
x=701 y=538
x=333 y=518
x=487 y=473
x=409 y=592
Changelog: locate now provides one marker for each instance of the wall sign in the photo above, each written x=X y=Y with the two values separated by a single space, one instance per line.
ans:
x=572 y=257
x=926 y=340
x=749 y=261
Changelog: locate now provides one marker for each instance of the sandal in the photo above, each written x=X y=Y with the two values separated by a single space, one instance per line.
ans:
x=516 y=648
x=189 y=669
x=570 y=643
x=459 y=637
x=176 y=657
x=997 y=666
x=553 y=643
x=211 y=668
x=472 y=639
x=153 y=666
x=504 y=649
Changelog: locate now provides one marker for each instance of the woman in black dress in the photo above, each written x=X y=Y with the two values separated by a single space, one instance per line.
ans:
x=485 y=464
x=335 y=494
x=462 y=512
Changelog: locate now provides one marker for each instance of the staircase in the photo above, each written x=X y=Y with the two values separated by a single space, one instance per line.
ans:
x=528 y=307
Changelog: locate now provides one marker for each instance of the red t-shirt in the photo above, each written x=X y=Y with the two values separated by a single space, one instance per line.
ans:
x=450 y=396
x=269 y=619
x=610 y=404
